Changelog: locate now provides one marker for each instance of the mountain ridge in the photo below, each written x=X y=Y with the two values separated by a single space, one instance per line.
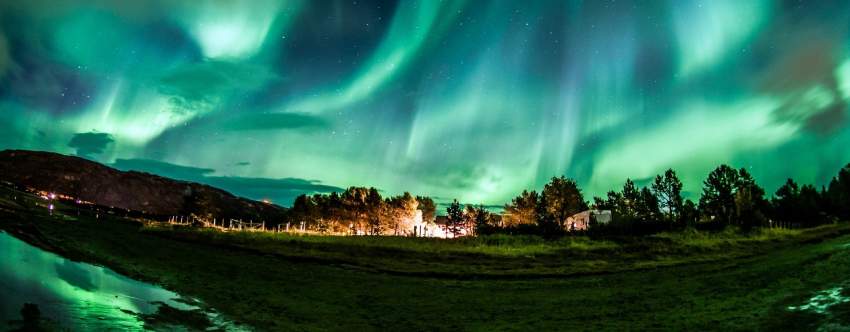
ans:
x=94 y=182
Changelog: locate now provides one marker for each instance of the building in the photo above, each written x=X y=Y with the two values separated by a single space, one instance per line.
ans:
x=585 y=219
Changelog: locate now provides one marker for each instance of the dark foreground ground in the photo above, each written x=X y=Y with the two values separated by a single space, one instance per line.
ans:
x=288 y=283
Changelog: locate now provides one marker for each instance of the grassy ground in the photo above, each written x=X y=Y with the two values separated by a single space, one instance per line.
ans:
x=278 y=282
x=501 y=256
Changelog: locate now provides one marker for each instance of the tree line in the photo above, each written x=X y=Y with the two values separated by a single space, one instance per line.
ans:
x=360 y=210
x=729 y=197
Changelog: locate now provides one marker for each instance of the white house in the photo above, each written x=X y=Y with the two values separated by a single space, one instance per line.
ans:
x=582 y=220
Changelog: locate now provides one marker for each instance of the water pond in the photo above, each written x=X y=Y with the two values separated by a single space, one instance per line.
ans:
x=43 y=290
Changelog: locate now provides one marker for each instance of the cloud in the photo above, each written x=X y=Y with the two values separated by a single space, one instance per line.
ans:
x=281 y=191
x=692 y=143
x=92 y=143
x=271 y=121
x=444 y=175
x=203 y=85
x=5 y=58
x=804 y=75
x=161 y=168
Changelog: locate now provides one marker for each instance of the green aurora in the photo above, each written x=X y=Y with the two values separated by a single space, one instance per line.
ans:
x=475 y=100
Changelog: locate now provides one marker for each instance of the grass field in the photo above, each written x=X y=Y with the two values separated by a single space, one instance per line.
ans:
x=686 y=281
x=500 y=256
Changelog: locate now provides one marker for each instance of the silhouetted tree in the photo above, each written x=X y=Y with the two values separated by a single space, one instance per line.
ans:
x=354 y=204
x=689 y=215
x=646 y=207
x=613 y=201
x=374 y=210
x=718 y=194
x=454 y=218
x=521 y=210
x=563 y=198
x=803 y=206
x=786 y=202
x=634 y=210
x=600 y=203
x=478 y=218
x=750 y=204
x=547 y=225
x=630 y=198
x=429 y=209
x=838 y=194
x=809 y=207
x=668 y=191
x=335 y=212
x=304 y=210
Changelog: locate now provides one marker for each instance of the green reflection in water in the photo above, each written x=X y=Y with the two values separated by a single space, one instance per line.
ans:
x=822 y=301
x=75 y=295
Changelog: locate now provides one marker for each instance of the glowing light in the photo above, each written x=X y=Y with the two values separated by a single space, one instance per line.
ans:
x=708 y=31
x=412 y=23
x=453 y=99
x=843 y=75
x=234 y=29
x=713 y=133
x=73 y=292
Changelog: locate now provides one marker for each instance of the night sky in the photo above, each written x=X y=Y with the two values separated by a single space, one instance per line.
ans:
x=475 y=100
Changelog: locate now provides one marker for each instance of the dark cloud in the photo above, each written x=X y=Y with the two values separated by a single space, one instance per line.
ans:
x=808 y=61
x=88 y=144
x=5 y=57
x=455 y=176
x=829 y=120
x=281 y=191
x=271 y=121
x=161 y=168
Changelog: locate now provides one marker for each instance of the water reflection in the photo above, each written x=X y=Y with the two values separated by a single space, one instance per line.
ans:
x=81 y=296
x=822 y=301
